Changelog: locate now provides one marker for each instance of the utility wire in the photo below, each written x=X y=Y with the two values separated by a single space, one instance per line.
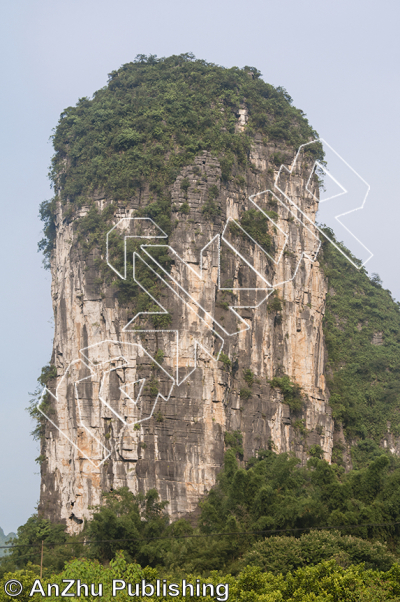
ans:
x=202 y=535
x=24 y=556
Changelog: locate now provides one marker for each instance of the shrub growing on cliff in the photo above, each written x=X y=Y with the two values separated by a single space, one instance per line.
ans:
x=248 y=376
x=47 y=210
x=291 y=391
x=275 y=305
x=245 y=393
x=210 y=208
x=254 y=224
x=48 y=373
x=234 y=441
x=225 y=360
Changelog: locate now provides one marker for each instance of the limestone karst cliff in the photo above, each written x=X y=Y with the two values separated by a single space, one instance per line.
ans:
x=136 y=401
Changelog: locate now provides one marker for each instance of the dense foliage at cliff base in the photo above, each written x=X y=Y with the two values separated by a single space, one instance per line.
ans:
x=325 y=582
x=262 y=514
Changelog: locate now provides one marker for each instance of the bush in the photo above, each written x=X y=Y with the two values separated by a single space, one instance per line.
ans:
x=281 y=554
x=245 y=393
x=324 y=582
x=254 y=224
x=185 y=185
x=248 y=376
x=275 y=304
x=210 y=207
x=316 y=451
x=291 y=391
x=26 y=577
x=124 y=515
x=184 y=208
x=225 y=360
x=234 y=440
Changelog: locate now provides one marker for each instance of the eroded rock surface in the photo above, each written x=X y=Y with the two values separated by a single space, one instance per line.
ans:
x=180 y=449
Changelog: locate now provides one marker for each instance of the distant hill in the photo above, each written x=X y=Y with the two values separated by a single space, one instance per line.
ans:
x=3 y=539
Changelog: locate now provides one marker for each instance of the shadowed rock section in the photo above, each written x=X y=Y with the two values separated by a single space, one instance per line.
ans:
x=179 y=449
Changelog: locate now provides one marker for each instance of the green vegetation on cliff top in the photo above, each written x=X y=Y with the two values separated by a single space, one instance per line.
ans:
x=156 y=115
x=151 y=119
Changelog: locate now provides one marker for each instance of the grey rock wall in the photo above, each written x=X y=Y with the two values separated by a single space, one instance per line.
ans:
x=92 y=444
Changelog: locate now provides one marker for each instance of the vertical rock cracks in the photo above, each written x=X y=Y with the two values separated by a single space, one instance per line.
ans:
x=179 y=449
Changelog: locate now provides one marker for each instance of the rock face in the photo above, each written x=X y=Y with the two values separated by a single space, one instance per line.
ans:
x=117 y=416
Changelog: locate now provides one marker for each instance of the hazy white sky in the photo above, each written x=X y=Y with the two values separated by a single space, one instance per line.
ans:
x=337 y=59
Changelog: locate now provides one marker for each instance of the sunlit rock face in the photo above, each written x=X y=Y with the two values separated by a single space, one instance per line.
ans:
x=148 y=407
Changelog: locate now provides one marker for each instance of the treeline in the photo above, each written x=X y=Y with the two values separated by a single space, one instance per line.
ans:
x=325 y=582
x=263 y=514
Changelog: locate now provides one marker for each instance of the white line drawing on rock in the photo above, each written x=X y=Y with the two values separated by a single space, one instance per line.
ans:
x=93 y=369
x=60 y=430
x=316 y=165
x=146 y=220
x=207 y=319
